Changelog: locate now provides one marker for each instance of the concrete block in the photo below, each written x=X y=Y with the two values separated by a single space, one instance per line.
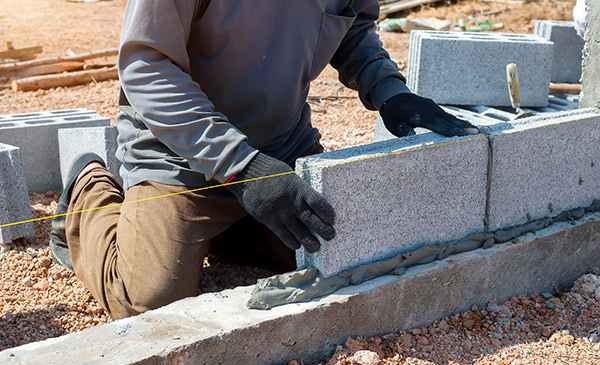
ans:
x=590 y=74
x=36 y=135
x=470 y=68
x=568 y=48
x=392 y=197
x=100 y=140
x=542 y=166
x=217 y=328
x=14 y=200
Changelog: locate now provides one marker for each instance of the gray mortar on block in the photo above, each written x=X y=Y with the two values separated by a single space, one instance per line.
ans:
x=568 y=48
x=590 y=75
x=37 y=137
x=470 y=68
x=218 y=328
x=100 y=140
x=14 y=200
x=389 y=195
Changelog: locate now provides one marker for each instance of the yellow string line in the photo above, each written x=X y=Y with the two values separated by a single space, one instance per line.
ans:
x=293 y=172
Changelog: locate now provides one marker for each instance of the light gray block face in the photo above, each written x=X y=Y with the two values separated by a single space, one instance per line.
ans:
x=590 y=75
x=100 y=140
x=568 y=48
x=429 y=190
x=36 y=136
x=14 y=200
x=544 y=166
x=470 y=68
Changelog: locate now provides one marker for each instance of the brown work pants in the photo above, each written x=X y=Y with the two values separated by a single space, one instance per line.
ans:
x=148 y=252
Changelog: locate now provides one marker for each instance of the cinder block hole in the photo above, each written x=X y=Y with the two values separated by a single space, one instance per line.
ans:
x=25 y=115
x=80 y=117
x=66 y=111
x=497 y=116
x=44 y=121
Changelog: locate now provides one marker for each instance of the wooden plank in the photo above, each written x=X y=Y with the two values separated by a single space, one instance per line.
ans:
x=42 y=70
x=64 y=79
x=47 y=61
x=21 y=54
x=574 y=89
x=402 y=5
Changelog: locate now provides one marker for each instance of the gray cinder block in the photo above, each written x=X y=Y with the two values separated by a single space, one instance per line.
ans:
x=14 y=200
x=470 y=68
x=36 y=136
x=568 y=48
x=395 y=196
x=100 y=140
x=543 y=166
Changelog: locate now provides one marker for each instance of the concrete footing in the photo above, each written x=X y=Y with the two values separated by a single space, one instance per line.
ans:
x=217 y=328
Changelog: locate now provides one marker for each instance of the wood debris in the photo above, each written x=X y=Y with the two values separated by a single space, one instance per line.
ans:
x=57 y=71
x=22 y=54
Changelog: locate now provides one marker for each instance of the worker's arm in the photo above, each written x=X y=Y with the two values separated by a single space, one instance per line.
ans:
x=154 y=71
x=365 y=66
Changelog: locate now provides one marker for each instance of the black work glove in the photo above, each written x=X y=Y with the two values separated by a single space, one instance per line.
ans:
x=286 y=204
x=403 y=112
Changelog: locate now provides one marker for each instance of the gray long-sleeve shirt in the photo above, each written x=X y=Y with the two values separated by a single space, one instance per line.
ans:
x=204 y=90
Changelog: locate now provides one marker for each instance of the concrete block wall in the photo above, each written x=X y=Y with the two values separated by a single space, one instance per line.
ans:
x=417 y=190
x=100 y=140
x=395 y=196
x=36 y=135
x=568 y=49
x=14 y=200
x=470 y=68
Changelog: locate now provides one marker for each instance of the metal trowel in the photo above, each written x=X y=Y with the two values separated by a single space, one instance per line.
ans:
x=512 y=76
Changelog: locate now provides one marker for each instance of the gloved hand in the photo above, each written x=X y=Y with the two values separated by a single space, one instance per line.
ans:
x=403 y=112
x=286 y=204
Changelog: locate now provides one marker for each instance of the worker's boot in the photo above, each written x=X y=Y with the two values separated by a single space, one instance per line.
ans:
x=58 y=237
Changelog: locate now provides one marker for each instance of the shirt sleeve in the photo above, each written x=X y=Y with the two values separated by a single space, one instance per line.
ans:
x=154 y=70
x=362 y=62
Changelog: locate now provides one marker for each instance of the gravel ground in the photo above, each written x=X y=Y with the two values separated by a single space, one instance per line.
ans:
x=40 y=300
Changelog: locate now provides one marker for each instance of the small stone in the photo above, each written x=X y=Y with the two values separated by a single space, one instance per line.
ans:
x=366 y=357
x=427 y=349
x=27 y=281
x=176 y=337
x=42 y=285
x=496 y=343
x=45 y=262
x=31 y=252
x=493 y=307
x=546 y=295
x=423 y=341
x=468 y=345
x=469 y=323
x=547 y=331
x=549 y=305
x=575 y=309
x=594 y=338
x=562 y=339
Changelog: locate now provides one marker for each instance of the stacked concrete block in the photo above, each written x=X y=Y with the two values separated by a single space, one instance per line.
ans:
x=568 y=48
x=470 y=68
x=36 y=135
x=395 y=196
x=590 y=74
x=543 y=166
x=100 y=140
x=14 y=200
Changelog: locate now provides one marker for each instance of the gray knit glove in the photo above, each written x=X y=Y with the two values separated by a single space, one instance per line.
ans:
x=286 y=204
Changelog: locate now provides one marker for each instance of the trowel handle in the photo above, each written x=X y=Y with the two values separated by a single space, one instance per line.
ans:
x=512 y=76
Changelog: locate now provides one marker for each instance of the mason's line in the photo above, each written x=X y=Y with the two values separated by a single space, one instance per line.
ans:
x=290 y=172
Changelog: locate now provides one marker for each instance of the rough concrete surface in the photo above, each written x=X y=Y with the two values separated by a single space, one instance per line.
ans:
x=100 y=140
x=470 y=68
x=543 y=166
x=36 y=135
x=590 y=75
x=14 y=200
x=568 y=49
x=396 y=203
x=218 y=328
